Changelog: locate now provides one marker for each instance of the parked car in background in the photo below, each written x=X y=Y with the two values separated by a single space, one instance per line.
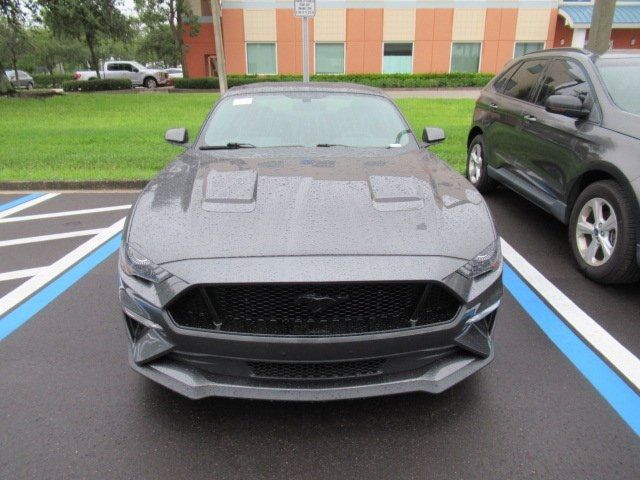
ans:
x=562 y=128
x=174 y=72
x=24 y=80
x=307 y=247
x=134 y=71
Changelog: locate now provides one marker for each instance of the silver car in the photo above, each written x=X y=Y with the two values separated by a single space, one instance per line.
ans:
x=24 y=79
x=307 y=247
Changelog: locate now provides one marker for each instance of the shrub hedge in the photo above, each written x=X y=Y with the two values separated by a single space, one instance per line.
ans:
x=418 y=80
x=44 y=80
x=97 y=85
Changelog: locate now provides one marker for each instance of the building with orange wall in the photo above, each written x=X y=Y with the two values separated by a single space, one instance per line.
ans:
x=386 y=36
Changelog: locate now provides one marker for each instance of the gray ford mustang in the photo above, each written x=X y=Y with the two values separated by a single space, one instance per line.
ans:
x=307 y=247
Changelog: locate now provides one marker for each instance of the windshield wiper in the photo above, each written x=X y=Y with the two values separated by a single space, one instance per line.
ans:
x=228 y=146
x=401 y=134
x=331 y=145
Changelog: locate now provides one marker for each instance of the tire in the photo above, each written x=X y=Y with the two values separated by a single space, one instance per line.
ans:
x=29 y=86
x=150 y=82
x=602 y=233
x=477 y=166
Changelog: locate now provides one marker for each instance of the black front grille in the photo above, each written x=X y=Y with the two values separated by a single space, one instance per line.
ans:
x=314 y=371
x=313 y=309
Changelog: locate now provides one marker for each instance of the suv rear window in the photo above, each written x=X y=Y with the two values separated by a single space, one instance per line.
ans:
x=522 y=83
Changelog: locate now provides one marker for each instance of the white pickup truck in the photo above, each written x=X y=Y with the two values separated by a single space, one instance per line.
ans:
x=134 y=71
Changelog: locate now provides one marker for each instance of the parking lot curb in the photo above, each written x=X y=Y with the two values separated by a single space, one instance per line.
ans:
x=76 y=185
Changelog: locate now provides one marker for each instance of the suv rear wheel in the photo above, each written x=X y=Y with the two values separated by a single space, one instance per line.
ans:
x=602 y=233
x=477 y=166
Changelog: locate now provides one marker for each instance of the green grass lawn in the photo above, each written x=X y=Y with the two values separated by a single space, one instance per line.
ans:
x=120 y=136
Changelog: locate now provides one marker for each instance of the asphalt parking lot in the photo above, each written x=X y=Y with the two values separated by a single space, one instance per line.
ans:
x=560 y=400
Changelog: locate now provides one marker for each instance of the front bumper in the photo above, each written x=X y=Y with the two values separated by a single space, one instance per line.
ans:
x=195 y=384
x=203 y=363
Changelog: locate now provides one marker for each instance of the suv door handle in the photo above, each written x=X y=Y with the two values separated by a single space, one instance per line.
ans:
x=530 y=118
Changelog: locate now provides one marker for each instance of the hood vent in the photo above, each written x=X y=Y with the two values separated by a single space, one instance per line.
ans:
x=233 y=191
x=390 y=193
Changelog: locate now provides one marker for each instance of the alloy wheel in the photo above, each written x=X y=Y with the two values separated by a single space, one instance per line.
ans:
x=596 y=231
x=475 y=163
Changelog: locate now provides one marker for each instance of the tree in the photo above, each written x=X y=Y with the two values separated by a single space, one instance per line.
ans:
x=91 y=21
x=178 y=15
x=13 y=43
x=157 y=44
x=12 y=20
x=50 y=53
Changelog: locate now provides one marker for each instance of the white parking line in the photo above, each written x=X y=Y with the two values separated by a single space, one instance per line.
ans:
x=16 y=274
x=64 y=214
x=46 y=238
x=36 y=282
x=612 y=350
x=25 y=205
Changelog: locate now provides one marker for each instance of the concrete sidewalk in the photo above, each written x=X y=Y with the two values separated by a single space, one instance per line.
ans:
x=463 y=92
x=471 y=93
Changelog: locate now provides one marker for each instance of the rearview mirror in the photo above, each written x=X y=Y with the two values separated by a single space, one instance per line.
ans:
x=431 y=135
x=178 y=136
x=567 y=105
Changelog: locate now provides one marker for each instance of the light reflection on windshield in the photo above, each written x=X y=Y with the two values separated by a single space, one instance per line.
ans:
x=308 y=119
x=621 y=77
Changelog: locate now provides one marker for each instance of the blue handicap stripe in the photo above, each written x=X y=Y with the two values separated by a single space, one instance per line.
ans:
x=21 y=314
x=622 y=397
x=19 y=201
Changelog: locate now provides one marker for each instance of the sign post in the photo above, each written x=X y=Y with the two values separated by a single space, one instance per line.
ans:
x=305 y=9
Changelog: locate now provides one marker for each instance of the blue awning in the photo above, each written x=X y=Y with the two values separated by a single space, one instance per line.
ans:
x=579 y=16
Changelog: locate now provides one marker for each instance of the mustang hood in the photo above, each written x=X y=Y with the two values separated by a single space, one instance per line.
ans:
x=245 y=204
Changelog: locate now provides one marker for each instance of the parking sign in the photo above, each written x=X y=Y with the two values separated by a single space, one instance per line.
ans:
x=304 y=8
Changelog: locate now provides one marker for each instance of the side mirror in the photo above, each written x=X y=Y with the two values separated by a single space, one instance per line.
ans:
x=178 y=136
x=431 y=135
x=135 y=70
x=567 y=105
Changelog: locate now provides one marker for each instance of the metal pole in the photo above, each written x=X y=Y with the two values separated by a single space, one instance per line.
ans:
x=601 y=22
x=217 y=35
x=305 y=49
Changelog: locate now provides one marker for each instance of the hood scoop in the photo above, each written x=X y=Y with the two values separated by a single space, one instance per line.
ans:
x=391 y=193
x=233 y=191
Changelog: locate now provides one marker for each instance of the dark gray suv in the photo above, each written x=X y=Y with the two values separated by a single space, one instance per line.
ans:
x=562 y=128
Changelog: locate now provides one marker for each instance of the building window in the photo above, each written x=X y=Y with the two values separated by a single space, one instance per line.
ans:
x=330 y=58
x=527 y=47
x=465 y=57
x=398 y=58
x=261 y=58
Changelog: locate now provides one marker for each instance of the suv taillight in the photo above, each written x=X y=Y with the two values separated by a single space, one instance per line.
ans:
x=76 y=76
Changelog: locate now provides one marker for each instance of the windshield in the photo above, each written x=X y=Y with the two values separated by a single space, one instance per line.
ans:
x=621 y=76
x=307 y=119
x=138 y=65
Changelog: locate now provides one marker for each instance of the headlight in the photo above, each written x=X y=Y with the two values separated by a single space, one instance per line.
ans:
x=488 y=260
x=137 y=265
